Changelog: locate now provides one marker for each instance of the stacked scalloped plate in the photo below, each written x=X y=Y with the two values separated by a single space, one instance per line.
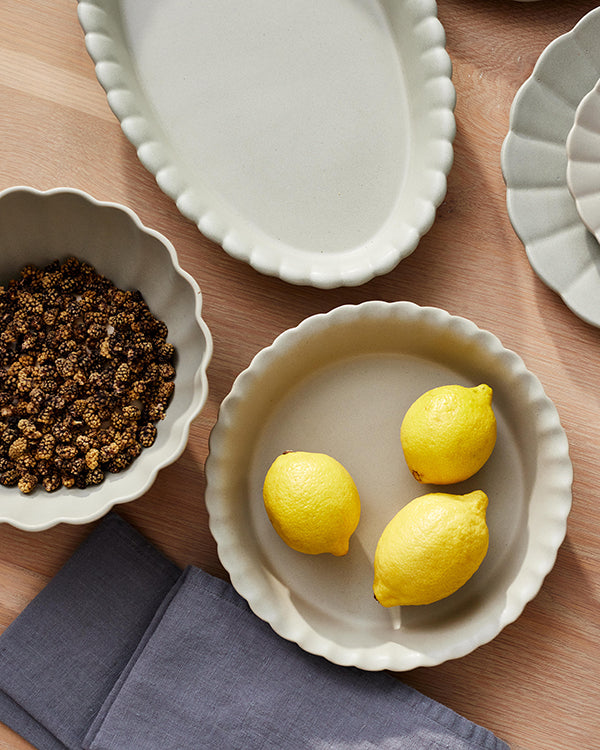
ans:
x=311 y=141
x=549 y=203
x=583 y=167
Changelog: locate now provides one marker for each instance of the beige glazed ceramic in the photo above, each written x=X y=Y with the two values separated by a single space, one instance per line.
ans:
x=359 y=369
x=40 y=227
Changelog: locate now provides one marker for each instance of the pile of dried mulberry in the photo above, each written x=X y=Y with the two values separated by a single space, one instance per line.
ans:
x=86 y=372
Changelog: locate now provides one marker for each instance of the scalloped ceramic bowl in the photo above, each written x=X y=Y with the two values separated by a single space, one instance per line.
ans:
x=312 y=142
x=39 y=227
x=340 y=383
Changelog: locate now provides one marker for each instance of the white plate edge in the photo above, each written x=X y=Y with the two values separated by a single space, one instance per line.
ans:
x=568 y=293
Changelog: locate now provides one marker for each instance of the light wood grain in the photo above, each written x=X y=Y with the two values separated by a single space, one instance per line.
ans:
x=535 y=685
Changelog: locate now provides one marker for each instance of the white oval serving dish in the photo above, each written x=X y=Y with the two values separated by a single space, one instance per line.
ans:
x=340 y=383
x=311 y=140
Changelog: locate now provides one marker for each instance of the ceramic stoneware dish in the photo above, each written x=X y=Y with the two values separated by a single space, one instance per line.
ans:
x=311 y=141
x=38 y=228
x=340 y=383
x=583 y=160
x=541 y=208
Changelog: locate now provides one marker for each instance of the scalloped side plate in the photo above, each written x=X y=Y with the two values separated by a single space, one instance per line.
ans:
x=583 y=160
x=312 y=141
x=340 y=383
x=534 y=164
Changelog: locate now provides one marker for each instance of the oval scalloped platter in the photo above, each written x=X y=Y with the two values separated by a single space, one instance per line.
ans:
x=340 y=383
x=534 y=162
x=311 y=140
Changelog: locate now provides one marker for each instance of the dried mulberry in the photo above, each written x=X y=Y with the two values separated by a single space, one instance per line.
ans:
x=27 y=483
x=85 y=371
x=147 y=435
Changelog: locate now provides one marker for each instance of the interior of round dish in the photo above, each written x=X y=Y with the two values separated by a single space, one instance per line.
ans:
x=40 y=227
x=311 y=142
x=361 y=367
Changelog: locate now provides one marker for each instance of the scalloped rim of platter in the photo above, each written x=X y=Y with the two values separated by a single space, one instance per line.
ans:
x=38 y=227
x=339 y=383
x=303 y=239
x=534 y=164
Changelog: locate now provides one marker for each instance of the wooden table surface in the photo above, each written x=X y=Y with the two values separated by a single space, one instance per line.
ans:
x=535 y=685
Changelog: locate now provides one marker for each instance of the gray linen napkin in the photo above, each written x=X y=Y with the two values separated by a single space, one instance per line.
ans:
x=205 y=674
x=62 y=655
x=210 y=674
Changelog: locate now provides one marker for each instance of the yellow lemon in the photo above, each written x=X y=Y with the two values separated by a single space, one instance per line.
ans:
x=430 y=548
x=448 y=433
x=312 y=502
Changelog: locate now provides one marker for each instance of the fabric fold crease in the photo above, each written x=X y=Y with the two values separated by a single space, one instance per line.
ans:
x=124 y=651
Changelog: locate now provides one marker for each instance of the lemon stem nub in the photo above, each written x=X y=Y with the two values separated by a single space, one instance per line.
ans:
x=396 y=617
